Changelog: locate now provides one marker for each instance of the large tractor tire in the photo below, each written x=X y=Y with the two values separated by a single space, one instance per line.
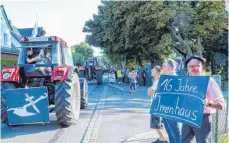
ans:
x=4 y=86
x=89 y=74
x=67 y=101
x=84 y=93
x=81 y=74
x=99 y=77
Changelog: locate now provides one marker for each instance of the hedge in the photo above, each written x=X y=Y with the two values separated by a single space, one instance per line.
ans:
x=8 y=62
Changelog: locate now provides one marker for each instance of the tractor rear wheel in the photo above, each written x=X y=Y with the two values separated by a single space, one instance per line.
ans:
x=84 y=93
x=89 y=74
x=81 y=74
x=67 y=101
x=99 y=77
x=4 y=86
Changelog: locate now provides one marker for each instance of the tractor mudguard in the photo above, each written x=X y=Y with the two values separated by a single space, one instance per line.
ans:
x=27 y=105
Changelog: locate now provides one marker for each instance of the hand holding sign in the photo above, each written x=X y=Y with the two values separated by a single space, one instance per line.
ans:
x=180 y=98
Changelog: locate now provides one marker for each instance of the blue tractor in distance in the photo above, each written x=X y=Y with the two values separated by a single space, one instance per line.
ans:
x=44 y=76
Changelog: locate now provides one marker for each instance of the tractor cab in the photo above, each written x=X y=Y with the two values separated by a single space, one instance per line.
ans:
x=91 y=62
x=38 y=55
x=91 y=70
x=45 y=75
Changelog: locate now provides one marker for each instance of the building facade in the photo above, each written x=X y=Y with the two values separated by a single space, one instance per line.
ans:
x=9 y=41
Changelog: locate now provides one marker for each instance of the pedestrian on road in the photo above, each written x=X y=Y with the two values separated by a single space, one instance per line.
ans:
x=172 y=127
x=144 y=77
x=132 y=76
x=127 y=76
x=214 y=100
x=119 y=76
x=156 y=122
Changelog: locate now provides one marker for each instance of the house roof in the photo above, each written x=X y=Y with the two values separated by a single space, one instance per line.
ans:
x=8 y=50
x=6 y=18
x=12 y=50
x=17 y=33
x=27 y=32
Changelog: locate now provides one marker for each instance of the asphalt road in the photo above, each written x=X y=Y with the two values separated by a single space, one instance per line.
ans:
x=112 y=116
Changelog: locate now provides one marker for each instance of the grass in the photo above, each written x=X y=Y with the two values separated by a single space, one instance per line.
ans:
x=223 y=139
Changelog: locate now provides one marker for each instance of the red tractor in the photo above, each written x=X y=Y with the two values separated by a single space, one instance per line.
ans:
x=45 y=75
x=91 y=70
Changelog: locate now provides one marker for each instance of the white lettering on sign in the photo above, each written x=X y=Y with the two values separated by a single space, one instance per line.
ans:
x=167 y=87
x=36 y=39
x=176 y=111
x=182 y=87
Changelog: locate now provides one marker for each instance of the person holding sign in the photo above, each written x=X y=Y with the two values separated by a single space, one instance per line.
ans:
x=214 y=100
x=155 y=122
x=172 y=127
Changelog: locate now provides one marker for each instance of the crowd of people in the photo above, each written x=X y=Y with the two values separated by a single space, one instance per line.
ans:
x=121 y=76
x=181 y=133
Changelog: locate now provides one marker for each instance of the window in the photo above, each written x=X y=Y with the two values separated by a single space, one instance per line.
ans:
x=68 y=56
x=56 y=57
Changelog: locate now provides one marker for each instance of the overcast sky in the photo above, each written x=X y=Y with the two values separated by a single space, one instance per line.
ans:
x=62 y=18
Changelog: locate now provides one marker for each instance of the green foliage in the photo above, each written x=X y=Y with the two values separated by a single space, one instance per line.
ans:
x=8 y=62
x=209 y=20
x=141 y=30
x=84 y=49
x=105 y=60
x=82 y=52
x=132 y=28
x=78 y=59
x=132 y=64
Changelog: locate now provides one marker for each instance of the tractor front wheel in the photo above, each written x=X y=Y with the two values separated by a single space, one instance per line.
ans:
x=99 y=77
x=4 y=86
x=81 y=74
x=67 y=101
x=84 y=93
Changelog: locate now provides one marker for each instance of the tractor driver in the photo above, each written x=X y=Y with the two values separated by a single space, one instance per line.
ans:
x=31 y=60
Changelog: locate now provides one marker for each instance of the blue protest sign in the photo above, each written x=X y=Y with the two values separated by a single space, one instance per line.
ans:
x=27 y=105
x=180 y=98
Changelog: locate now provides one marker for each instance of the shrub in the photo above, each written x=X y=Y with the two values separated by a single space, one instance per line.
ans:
x=8 y=62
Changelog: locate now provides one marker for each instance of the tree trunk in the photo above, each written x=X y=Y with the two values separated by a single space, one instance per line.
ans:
x=183 y=42
x=139 y=61
x=199 y=52
x=124 y=63
x=213 y=64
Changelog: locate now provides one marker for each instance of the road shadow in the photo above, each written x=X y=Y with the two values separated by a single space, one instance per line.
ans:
x=11 y=132
x=118 y=101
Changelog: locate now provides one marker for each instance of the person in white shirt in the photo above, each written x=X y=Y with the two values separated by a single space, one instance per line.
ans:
x=156 y=122
x=172 y=127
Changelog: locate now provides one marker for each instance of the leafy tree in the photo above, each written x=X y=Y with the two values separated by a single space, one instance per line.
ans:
x=78 y=59
x=84 y=49
x=132 y=31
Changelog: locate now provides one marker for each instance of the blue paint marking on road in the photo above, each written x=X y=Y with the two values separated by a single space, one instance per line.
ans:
x=180 y=98
x=27 y=105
